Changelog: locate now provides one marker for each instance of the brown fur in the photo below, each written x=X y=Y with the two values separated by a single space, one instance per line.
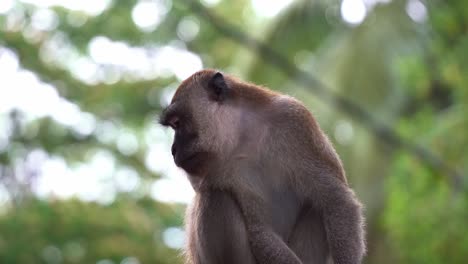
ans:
x=270 y=188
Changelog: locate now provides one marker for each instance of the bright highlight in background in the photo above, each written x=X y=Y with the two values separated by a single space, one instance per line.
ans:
x=147 y=15
x=99 y=178
x=416 y=10
x=5 y=6
x=87 y=6
x=269 y=8
x=353 y=11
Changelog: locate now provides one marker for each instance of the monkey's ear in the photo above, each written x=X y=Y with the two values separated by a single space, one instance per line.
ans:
x=217 y=87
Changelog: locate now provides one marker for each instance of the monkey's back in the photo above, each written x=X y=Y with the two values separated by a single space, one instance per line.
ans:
x=297 y=137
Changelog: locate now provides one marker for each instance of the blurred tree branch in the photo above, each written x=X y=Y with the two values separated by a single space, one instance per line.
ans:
x=305 y=79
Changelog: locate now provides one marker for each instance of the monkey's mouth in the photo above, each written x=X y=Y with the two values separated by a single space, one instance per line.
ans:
x=193 y=163
x=184 y=161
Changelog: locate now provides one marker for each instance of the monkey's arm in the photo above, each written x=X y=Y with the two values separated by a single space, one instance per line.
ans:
x=344 y=225
x=216 y=231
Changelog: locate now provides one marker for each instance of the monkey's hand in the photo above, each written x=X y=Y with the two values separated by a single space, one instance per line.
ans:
x=268 y=247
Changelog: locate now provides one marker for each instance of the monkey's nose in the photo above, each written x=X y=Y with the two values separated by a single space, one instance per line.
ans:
x=173 y=150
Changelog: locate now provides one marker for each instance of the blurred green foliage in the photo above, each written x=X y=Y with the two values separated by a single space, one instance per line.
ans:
x=75 y=232
x=406 y=64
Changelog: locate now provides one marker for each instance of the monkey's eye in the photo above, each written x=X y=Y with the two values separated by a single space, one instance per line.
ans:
x=174 y=123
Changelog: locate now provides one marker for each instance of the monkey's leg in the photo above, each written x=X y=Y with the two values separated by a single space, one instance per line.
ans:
x=308 y=239
x=344 y=226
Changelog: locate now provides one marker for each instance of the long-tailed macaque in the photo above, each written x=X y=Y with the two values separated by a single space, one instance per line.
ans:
x=270 y=188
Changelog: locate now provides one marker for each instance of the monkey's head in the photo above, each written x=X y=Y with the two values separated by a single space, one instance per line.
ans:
x=205 y=117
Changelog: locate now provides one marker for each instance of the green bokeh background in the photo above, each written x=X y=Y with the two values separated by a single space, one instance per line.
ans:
x=405 y=65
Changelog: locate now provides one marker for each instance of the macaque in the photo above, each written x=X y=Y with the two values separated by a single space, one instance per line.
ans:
x=270 y=188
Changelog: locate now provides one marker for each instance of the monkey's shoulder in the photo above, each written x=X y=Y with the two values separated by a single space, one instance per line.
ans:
x=289 y=110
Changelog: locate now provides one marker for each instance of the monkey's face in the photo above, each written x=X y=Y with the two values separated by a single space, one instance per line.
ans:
x=187 y=150
x=198 y=117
